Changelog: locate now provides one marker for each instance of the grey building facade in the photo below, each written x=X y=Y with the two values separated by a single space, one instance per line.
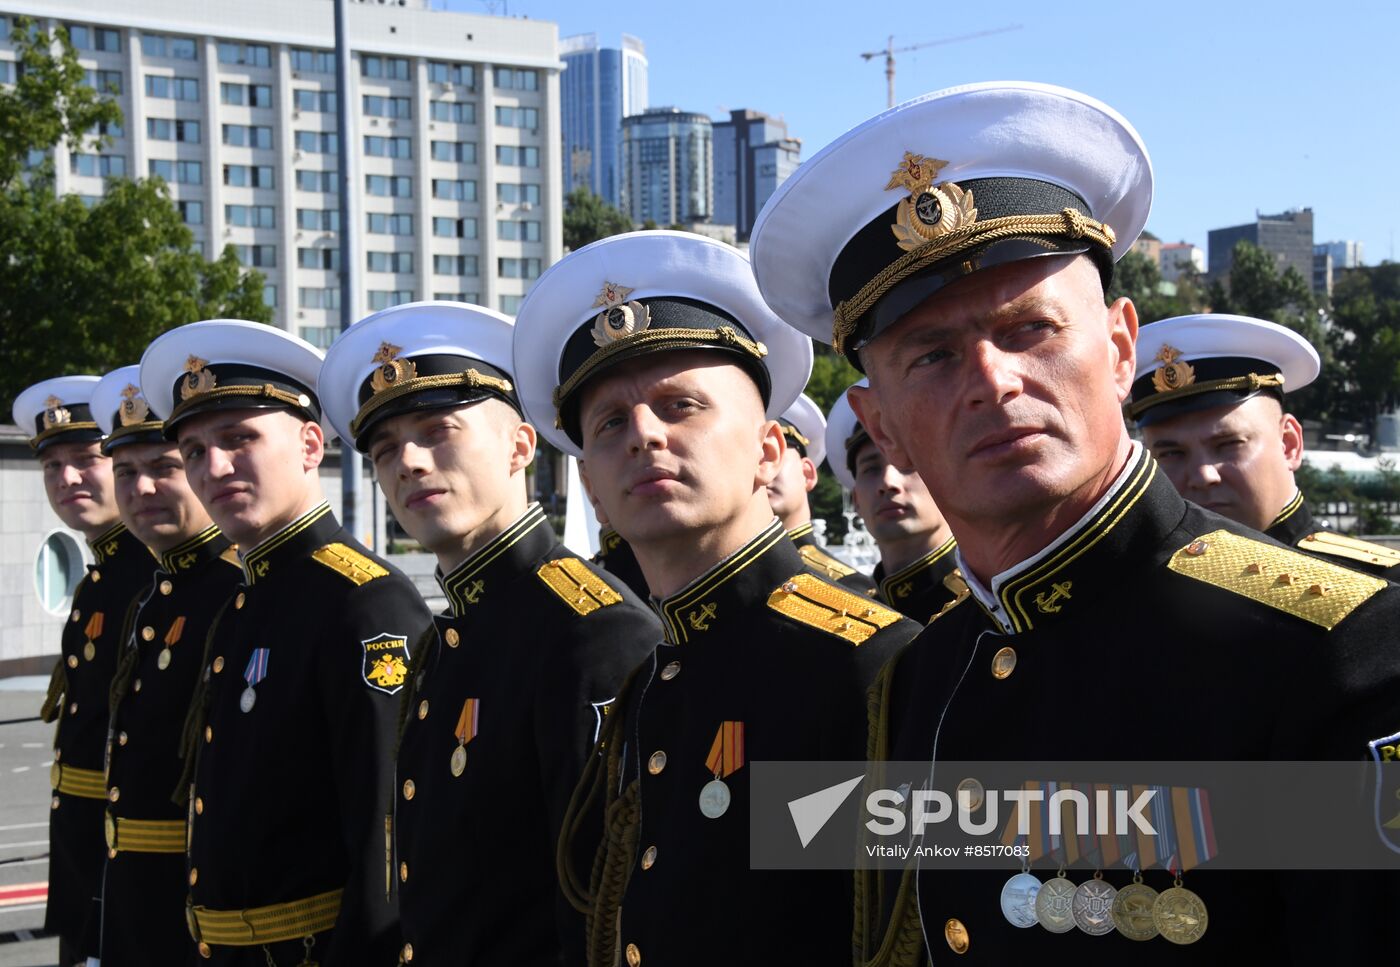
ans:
x=1288 y=237
x=668 y=167
x=753 y=156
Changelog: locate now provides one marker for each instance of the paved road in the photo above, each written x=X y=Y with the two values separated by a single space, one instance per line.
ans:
x=25 y=756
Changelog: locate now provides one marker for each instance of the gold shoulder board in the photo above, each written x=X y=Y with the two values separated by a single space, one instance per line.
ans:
x=1350 y=548
x=954 y=582
x=1286 y=580
x=813 y=602
x=824 y=562
x=349 y=563
x=576 y=585
x=230 y=556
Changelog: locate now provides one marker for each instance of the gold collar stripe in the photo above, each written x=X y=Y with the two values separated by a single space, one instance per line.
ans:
x=455 y=583
x=923 y=563
x=280 y=538
x=801 y=530
x=1288 y=511
x=168 y=560
x=471 y=379
x=671 y=608
x=1252 y=383
x=1069 y=223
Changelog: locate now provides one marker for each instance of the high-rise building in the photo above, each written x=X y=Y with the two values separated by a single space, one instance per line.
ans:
x=753 y=156
x=1345 y=255
x=454 y=168
x=1173 y=258
x=667 y=167
x=1288 y=237
x=600 y=86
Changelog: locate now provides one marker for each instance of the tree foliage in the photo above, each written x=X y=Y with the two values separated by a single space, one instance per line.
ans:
x=84 y=288
x=588 y=218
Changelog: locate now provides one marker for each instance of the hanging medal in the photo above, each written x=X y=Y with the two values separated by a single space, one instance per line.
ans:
x=92 y=631
x=253 y=674
x=1093 y=899
x=177 y=628
x=726 y=756
x=1179 y=914
x=1132 y=904
x=466 y=731
x=1019 y=893
x=1054 y=904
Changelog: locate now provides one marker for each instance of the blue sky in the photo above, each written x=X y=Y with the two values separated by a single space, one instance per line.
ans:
x=1243 y=106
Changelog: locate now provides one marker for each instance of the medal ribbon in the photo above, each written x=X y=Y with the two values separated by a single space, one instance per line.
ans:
x=1166 y=831
x=727 y=751
x=94 y=626
x=257 y=667
x=177 y=628
x=1069 y=826
x=1010 y=834
x=1195 y=831
x=1110 y=846
x=1057 y=851
x=467 y=721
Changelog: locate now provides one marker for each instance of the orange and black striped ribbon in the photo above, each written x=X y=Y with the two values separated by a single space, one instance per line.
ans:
x=727 y=751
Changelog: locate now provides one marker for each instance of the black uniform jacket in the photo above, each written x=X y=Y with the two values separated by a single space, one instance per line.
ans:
x=523 y=667
x=615 y=555
x=761 y=660
x=144 y=887
x=1152 y=630
x=78 y=696
x=291 y=791
x=1295 y=527
x=828 y=565
x=921 y=589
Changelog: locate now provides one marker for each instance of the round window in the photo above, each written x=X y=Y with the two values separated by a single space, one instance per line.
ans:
x=57 y=570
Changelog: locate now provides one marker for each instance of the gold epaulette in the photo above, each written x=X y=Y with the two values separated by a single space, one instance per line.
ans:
x=350 y=563
x=1285 y=580
x=954 y=582
x=821 y=561
x=230 y=555
x=817 y=604
x=1350 y=548
x=576 y=585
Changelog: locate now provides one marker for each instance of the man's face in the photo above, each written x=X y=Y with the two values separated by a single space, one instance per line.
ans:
x=1004 y=389
x=796 y=477
x=445 y=472
x=78 y=482
x=1235 y=460
x=894 y=505
x=154 y=496
x=249 y=468
x=674 y=443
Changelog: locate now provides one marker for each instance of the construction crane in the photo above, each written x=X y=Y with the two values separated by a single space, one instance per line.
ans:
x=890 y=50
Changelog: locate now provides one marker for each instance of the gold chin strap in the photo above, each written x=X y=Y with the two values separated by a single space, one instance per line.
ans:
x=265 y=391
x=471 y=379
x=1069 y=223
x=1253 y=383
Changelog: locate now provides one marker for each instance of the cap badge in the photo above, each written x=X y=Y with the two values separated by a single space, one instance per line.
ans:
x=619 y=317
x=1173 y=374
x=929 y=210
x=198 y=379
x=133 y=409
x=54 y=412
x=392 y=371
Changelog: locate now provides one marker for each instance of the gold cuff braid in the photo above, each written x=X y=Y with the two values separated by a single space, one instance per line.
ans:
x=1069 y=223
x=1252 y=382
x=470 y=378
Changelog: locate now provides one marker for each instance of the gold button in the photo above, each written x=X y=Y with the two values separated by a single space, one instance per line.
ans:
x=73 y=708
x=975 y=793
x=194 y=875
x=403 y=872
x=649 y=858
x=1197 y=547
x=657 y=762
x=1004 y=663
x=148 y=633
x=204 y=950
x=121 y=738
x=634 y=955
x=72 y=661
x=956 y=934
x=53 y=803
x=422 y=709
x=407 y=952
x=76 y=615
x=136 y=685
x=166 y=587
x=209 y=733
x=96 y=576
x=218 y=664
x=408 y=788
x=114 y=794
x=238 y=601
x=199 y=806
x=670 y=671
x=452 y=638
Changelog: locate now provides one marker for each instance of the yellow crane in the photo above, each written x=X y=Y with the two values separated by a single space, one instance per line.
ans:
x=890 y=50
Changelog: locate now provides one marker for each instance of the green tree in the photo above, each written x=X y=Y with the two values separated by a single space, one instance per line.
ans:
x=831 y=374
x=588 y=218
x=1138 y=278
x=1365 y=338
x=84 y=288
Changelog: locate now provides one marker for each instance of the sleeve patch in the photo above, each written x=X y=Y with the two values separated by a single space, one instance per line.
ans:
x=824 y=562
x=576 y=585
x=1350 y=549
x=809 y=600
x=1294 y=583
x=350 y=563
x=385 y=662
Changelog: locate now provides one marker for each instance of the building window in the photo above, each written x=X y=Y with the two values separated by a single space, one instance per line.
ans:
x=459 y=190
x=518 y=157
x=165 y=129
x=172 y=88
x=452 y=112
x=249 y=176
x=319 y=336
x=389 y=261
x=386 y=223
x=178 y=172
x=387 y=107
x=460 y=74
x=380 y=299
x=327 y=298
x=191 y=212
x=518 y=117
x=251 y=216
x=319 y=219
x=103 y=82
x=377 y=147
x=389 y=186
x=308 y=180
x=248 y=55
x=389 y=68
x=508 y=194
x=98 y=165
x=308 y=99
x=510 y=304
x=469 y=297
x=515 y=79
x=462 y=152
x=94 y=38
x=270 y=295
x=518 y=231
x=319 y=258
x=454 y=227
x=246 y=95
x=247 y=136
x=317 y=142
x=106 y=129
x=257 y=256
x=518 y=268
x=57 y=570
x=175 y=48
x=454 y=265
x=313 y=61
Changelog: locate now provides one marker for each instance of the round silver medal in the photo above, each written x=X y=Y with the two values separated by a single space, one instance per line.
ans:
x=246 y=700
x=1018 y=899
x=1093 y=907
x=1054 y=905
x=714 y=799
